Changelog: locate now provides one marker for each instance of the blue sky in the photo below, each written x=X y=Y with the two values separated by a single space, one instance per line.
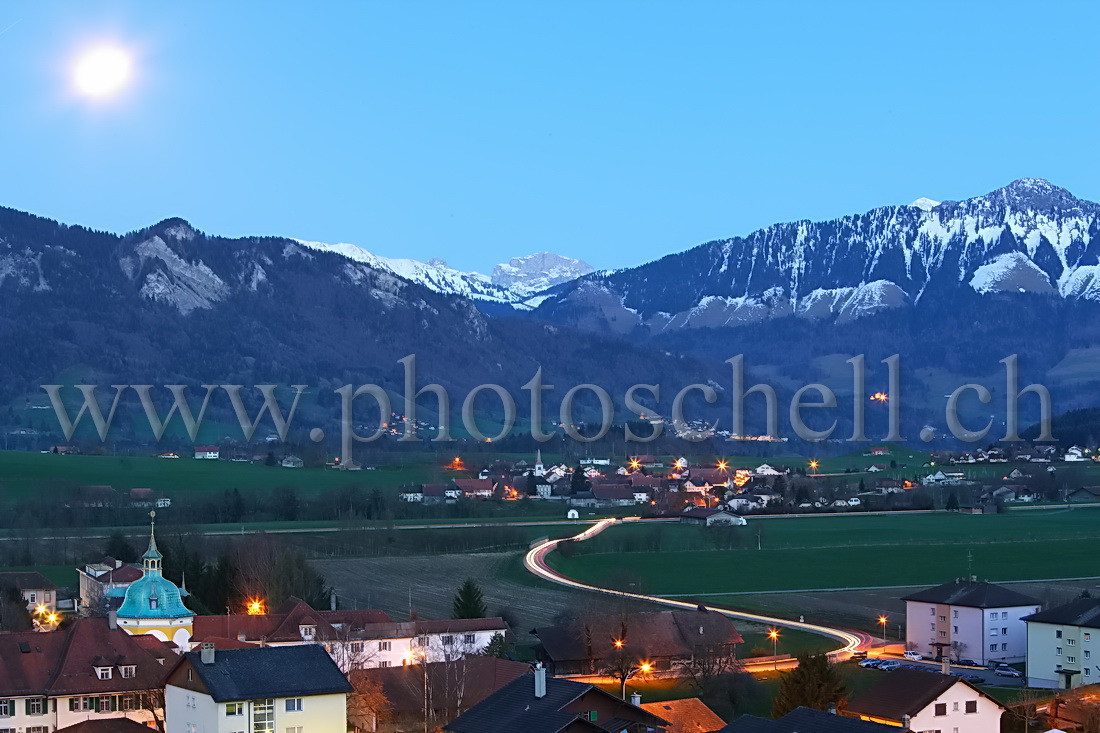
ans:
x=612 y=131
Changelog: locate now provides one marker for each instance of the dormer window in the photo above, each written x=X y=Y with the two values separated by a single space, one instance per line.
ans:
x=307 y=632
x=153 y=603
x=103 y=673
x=128 y=671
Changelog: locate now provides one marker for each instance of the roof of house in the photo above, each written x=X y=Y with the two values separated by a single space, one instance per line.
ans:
x=453 y=685
x=113 y=725
x=302 y=670
x=805 y=720
x=26 y=580
x=474 y=484
x=973 y=594
x=650 y=634
x=904 y=692
x=613 y=492
x=514 y=707
x=64 y=662
x=700 y=513
x=1078 y=612
x=690 y=715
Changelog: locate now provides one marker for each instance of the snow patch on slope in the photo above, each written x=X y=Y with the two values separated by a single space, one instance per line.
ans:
x=1011 y=272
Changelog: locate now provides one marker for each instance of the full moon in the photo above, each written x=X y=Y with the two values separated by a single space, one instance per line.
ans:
x=102 y=71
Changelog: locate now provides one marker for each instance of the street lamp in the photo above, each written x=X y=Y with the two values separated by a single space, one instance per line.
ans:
x=813 y=465
x=882 y=621
x=773 y=634
x=643 y=667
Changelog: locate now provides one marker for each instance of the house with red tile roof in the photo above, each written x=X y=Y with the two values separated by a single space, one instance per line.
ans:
x=690 y=715
x=356 y=639
x=89 y=671
x=36 y=589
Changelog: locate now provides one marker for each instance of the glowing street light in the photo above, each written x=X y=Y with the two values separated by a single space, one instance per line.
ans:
x=882 y=621
x=255 y=607
x=813 y=465
x=722 y=465
x=773 y=634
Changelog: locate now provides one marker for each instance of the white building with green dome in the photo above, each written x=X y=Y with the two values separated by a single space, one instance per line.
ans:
x=154 y=605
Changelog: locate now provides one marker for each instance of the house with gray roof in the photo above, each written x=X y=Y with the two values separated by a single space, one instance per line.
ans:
x=1063 y=645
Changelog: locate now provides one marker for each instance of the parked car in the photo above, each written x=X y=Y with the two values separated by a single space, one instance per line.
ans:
x=969 y=663
x=913 y=656
x=1008 y=672
x=870 y=662
x=972 y=678
x=889 y=665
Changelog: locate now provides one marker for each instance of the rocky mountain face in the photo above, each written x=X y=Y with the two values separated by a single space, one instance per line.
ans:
x=1029 y=237
x=169 y=304
x=535 y=273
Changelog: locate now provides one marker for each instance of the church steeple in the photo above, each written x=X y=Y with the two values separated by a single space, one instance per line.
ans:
x=151 y=560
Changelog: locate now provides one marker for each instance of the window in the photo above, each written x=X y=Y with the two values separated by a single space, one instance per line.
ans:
x=954 y=629
x=36 y=706
x=955 y=614
x=32 y=597
x=1071 y=660
x=356 y=647
x=992 y=615
x=993 y=632
x=941 y=709
x=1058 y=650
x=469 y=639
x=448 y=640
x=294 y=705
x=1088 y=637
x=1088 y=672
x=6 y=708
x=992 y=647
x=422 y=641
x=233 y=709
x=943 y=618
x=152 y=604
x=128 y=703
x=931 y=627
x=383 y=646
x=103 y=673
x=943 y=634
x=955 y=707
x=307 y=632
x=590 y=716
x=971 y=706
x=1004 y=614
x=1088 y=654
x=1004 y=631
x=1071 y=642
x=38 y=729
x=294 y=729
x=1058 y=634
x=263 y=716
x=127 y=671
x=1004 y=647
x=384 y=663
x=932 y=611
x=106 y=704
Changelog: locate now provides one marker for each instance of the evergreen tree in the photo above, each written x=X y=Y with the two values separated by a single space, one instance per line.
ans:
x=815 y=683
x=532 y=485
x=952 y=502
x=497 y=647
x=578 y=481
x=120 y=548
x=469 y=602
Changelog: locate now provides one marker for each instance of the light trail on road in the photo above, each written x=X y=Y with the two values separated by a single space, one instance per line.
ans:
x=535 y=562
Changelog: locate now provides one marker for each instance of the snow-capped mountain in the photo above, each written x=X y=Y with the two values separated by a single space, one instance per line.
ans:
x=516 y=283
x=1029 y=237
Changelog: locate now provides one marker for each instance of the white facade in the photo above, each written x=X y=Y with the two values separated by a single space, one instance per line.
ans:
x=194 y=712
x=1054 y=647
x=949 y=712
x=981 y=634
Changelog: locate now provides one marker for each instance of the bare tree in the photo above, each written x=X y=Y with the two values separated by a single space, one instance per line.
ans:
x=368 y=707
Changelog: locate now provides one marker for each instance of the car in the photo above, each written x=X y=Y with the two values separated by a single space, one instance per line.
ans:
x=889 y=665
x=870 y=663
x=856 y=656
x=913 y=656
x=968 y=663
x=1008 y=672
x=972 y=678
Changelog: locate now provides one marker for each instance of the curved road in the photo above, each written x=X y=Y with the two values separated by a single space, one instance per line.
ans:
x=535 y=562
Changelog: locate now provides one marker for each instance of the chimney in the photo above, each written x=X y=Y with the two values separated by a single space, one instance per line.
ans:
x=945 y=664
x=241 y=636
x=540 y=681
x=832 y=708
x=905 y=722
x=635 y=699
x=112 y=619
x=206 y=653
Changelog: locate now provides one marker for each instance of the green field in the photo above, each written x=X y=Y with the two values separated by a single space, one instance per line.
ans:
x=843 y=552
